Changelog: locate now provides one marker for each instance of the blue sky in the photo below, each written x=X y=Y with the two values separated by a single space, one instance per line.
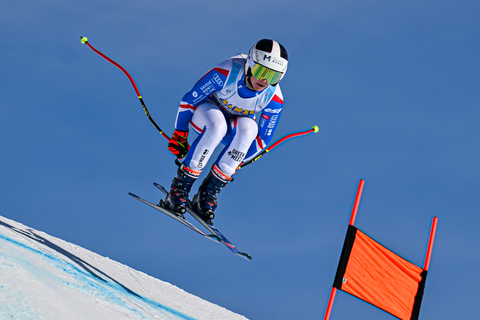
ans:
x=393 y=86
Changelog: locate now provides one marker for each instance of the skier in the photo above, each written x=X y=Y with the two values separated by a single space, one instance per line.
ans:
x=221 y=108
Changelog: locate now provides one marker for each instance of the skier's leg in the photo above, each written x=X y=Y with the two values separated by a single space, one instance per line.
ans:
x=204 y=203
x=212 y=126
x=243 y=132
x=177 y=198
x=210 y=122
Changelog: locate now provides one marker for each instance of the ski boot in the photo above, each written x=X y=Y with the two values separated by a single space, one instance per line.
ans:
x=204 y=203
x=177 y=198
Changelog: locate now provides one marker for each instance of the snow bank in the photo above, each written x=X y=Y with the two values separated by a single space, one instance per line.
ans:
x=42 y=277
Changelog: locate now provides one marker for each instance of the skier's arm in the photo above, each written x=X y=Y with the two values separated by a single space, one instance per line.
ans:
x=267 y=126
x=212 y=81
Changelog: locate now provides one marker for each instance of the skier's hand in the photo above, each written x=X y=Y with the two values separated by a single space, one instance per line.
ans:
x=178 y=144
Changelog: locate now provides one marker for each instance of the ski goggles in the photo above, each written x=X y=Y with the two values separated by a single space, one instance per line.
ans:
x=260 y=72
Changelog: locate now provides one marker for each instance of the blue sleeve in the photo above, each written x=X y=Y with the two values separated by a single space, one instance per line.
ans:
x=212 y=81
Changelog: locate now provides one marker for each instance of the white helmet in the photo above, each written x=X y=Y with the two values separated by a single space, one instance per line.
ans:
x=267 y=59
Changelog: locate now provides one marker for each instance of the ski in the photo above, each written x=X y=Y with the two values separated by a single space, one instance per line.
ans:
x=177 y=218
x=211 y=228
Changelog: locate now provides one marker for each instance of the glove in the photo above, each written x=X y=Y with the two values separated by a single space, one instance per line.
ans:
x=178 y=144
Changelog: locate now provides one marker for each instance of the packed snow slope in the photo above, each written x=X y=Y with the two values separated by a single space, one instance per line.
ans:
x=42 y=277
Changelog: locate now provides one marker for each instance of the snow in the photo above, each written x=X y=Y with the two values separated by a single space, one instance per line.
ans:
x=43 y=277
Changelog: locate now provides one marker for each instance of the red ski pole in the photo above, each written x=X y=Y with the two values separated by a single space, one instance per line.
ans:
x=273 y=146
x=84 y=40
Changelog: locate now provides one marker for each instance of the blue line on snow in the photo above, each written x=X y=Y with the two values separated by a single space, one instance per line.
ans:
x=89 y=281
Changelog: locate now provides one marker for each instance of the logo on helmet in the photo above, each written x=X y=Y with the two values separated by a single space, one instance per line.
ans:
x=274 y=60
x=269 y=58
x=257 y=56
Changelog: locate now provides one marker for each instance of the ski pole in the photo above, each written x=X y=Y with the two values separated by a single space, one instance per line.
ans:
x=292 y=135
x=84 y=40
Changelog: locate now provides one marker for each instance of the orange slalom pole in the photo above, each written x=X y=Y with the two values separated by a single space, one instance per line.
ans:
x=433 y=230
x=330 y=303
x=356 y=204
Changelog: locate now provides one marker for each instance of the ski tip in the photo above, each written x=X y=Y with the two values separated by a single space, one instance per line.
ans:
x=133 y=195
x=159 y=186
x=245 y=255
